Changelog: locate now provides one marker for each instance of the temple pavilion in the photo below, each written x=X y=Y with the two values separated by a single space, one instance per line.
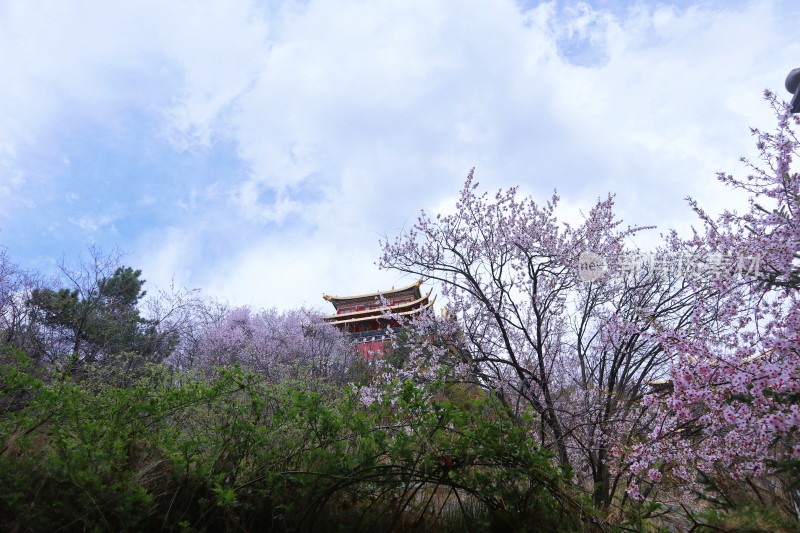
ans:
x=365 y=318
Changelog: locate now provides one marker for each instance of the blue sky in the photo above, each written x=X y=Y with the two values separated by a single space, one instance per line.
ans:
x=259 y=150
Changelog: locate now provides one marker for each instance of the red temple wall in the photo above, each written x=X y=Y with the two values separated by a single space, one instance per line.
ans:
x=371 y=350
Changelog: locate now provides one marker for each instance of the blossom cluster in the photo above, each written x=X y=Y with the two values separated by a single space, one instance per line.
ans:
x=427 y=347
x=736 y=369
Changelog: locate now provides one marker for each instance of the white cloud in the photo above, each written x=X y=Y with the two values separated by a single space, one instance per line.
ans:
x=94 y=223
x=349 y=117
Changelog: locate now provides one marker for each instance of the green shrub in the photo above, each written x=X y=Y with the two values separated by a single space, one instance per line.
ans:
x=166 y=451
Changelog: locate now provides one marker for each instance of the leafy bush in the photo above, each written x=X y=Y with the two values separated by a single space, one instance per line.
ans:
x=175 y=452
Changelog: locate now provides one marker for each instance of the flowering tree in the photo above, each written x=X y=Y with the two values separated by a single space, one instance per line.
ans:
x=276 y=345
x=576 y=351
x=17 y=328
x=736 y=372
x=423 y=349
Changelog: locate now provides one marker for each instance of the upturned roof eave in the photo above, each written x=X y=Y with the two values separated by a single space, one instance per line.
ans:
x=339 y=299
x=349 y=319
x=384 y=309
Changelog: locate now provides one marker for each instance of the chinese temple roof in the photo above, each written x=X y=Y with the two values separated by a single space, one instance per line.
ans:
x=367 y=318
x=400 y=309
x=411 y=291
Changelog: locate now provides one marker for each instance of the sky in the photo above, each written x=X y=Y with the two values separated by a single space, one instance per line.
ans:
x=260 y=150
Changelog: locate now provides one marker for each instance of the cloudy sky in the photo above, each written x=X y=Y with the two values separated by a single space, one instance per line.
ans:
x=259 y=150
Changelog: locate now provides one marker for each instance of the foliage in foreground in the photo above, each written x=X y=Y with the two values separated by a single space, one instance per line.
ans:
x=231 y=452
